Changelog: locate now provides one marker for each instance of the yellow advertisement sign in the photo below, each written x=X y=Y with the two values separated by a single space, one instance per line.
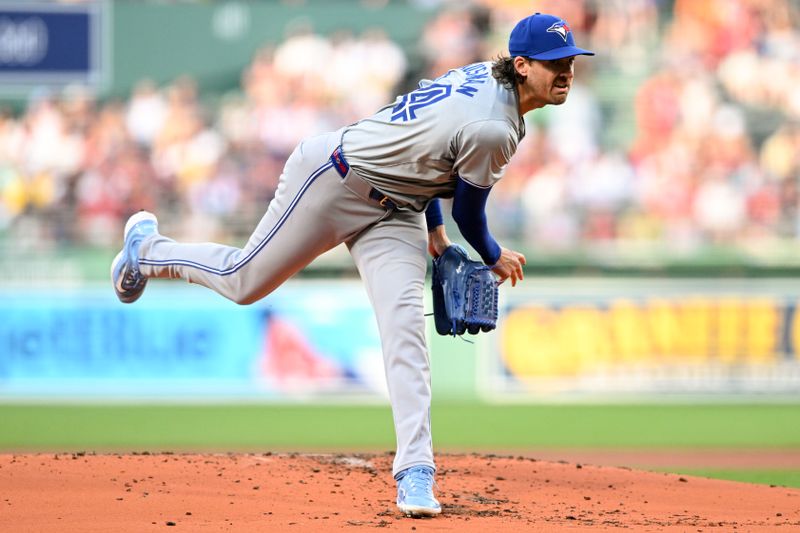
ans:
x=560 y=340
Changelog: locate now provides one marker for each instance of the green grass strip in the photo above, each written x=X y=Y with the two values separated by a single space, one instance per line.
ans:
x=456 y=427
x=780 y=478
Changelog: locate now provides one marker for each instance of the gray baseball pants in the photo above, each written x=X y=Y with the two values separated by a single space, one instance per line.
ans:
x=315 y=209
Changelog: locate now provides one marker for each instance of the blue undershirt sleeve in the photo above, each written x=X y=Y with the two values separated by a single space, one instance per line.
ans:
x=469 y=204
x=433 y=215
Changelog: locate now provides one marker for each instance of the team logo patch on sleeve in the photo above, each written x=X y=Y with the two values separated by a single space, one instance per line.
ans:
x=560 y=28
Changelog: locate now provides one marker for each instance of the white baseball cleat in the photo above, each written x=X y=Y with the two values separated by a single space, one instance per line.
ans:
x=415 y=492
x=128 y=282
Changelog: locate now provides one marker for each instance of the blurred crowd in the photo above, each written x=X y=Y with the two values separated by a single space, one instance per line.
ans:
x=683 y=131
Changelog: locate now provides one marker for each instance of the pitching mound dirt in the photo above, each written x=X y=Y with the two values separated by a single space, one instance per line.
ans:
x=293 y=492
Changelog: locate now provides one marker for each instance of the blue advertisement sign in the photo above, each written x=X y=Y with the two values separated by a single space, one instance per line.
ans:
x=51 y=44
x=188 y=341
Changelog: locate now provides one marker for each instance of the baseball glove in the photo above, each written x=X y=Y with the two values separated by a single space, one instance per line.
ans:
x=464 y=294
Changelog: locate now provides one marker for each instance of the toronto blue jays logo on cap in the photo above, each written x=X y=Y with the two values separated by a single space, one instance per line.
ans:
x=561 y=28
x=543 y=37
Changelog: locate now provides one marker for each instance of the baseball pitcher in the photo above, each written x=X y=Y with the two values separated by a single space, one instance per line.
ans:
x=374 y=185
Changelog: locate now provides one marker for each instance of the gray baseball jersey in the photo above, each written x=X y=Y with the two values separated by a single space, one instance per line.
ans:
x=463 y=123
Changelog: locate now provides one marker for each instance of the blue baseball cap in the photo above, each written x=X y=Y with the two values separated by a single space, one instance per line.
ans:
x=546 y=37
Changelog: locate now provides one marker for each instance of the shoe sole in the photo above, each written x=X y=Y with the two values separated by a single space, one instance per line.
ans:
x=132 y=221
x=121 y=296
x=416 y=511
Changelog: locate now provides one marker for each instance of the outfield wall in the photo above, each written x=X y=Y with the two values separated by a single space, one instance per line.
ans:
x=181 y=341
x=646 y=337
x=556 y=338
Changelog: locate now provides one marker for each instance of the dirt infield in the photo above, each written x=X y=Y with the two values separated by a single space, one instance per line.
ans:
x=292 y=492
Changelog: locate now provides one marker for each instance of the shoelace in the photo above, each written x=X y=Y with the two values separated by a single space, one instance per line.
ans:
x=425 y=478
